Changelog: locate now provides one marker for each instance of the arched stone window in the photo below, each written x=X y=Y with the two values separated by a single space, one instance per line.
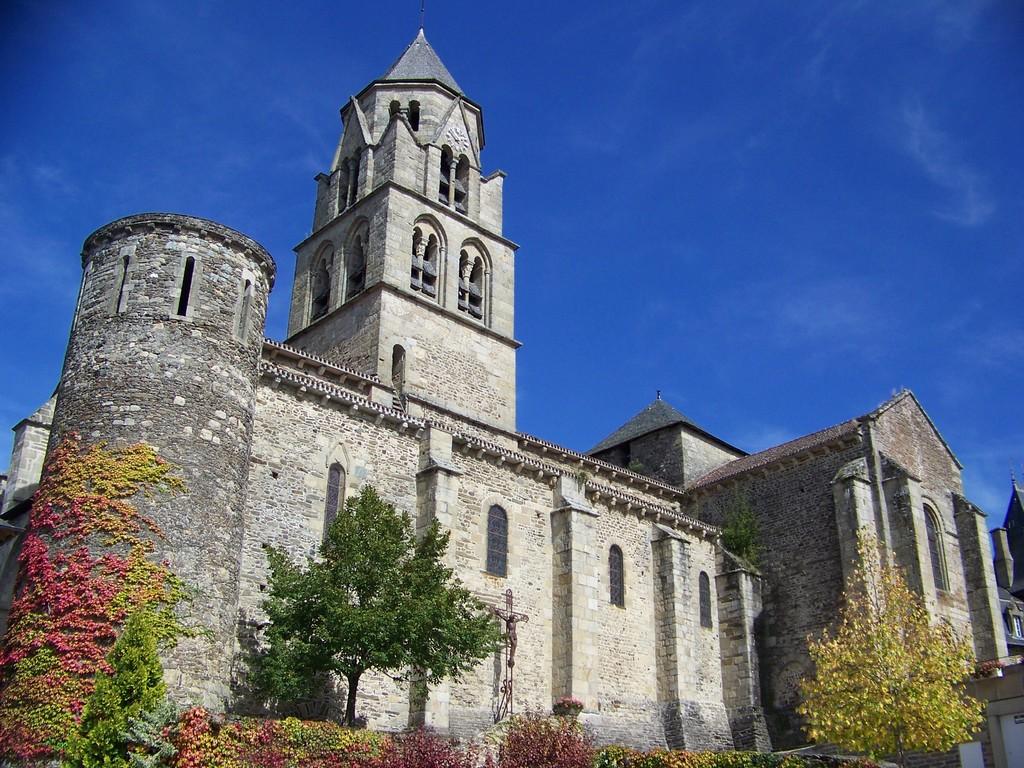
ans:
x=320 y=283
x=355 y=264
x=185 y=293
x=425 y=261
x=461 y=196
x=497 y=541
x=444 y=187
x=414 y=115
x=394 y=108
x=705 y=599
x=616 y=577
x=335 y=495
x=472 y=274
x=935 y=551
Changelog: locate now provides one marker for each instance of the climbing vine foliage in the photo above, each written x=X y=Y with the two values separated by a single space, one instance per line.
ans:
x=87 y=563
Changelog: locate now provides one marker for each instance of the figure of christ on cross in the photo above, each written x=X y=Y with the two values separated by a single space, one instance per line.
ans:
x=511 y=619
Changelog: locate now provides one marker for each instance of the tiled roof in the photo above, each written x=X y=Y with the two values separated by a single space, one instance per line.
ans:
x=421 y=62
x=657 y=415
x=771 y=455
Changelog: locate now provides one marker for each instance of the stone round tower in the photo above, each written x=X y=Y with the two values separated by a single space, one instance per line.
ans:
x=165 y=348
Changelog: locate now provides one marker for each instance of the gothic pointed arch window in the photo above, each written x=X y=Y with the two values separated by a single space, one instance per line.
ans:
x=444 y=187
x=935 y=550
x=355 y=264
x=616 y=577
x=704 y=588
x=320 y=283
x=472 y=282
x=335 y=495
x=423 y=274
x=497 y=541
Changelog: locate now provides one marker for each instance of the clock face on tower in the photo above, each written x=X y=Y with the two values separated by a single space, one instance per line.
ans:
x=457 y=138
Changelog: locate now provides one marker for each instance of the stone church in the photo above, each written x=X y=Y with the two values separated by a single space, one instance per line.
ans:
x=399 y=371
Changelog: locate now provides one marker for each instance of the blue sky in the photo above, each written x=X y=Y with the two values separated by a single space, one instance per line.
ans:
x=776 y=213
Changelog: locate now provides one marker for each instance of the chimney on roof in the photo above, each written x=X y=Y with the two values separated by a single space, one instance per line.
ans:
x=1003 y=560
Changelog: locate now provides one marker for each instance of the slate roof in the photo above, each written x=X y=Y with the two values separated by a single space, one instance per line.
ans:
x=657 y=415
x=771 y=455
x=420 y=62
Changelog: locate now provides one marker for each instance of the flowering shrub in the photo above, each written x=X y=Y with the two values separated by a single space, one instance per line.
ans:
x=623 y=757
x=422 y=749
x=85 y=565
x=203 y=741
x=537 y=742
x=567 y=706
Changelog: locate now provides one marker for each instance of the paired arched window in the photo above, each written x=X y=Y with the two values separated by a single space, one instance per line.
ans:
x=355 y=265
x=423 y=272
x=471 y=283
x=616 y=577
x=320 y=288
x=453 y=187
x=497 y=541
x=335 y=494
x=934 y=534
x=704 y=588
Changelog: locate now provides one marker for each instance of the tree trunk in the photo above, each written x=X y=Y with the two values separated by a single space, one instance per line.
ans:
x=350 y=703
x=900 y=754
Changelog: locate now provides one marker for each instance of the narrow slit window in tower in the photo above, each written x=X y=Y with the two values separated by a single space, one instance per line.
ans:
x=242 y=332
x=355 y=178
x=414 y=115
x=122 y=283
x=186 y=286
x=394 y=108
x=398 y=375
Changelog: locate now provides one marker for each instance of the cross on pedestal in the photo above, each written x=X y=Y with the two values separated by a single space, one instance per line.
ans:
x=511 y=619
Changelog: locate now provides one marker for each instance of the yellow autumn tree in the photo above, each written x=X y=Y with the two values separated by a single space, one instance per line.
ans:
x=888 y=680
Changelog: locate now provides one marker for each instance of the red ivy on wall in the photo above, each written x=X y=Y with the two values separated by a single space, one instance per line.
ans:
x=86 y=563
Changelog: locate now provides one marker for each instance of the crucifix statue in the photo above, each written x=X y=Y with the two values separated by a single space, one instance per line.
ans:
x=511 y=619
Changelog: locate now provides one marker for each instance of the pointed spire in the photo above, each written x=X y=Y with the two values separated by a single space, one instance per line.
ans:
x=420 y=61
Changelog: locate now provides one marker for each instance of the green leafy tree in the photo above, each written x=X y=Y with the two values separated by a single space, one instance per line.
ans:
x=134 y=686
x=378 y=598
x=740 y=534
x=887 y=680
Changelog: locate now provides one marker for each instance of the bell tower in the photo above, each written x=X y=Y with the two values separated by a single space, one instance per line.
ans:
x=406 y=274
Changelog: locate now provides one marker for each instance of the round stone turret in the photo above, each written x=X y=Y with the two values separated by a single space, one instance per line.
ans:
x=165 y=348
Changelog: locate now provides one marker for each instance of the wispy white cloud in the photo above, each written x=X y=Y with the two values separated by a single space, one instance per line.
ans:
x=935 y=154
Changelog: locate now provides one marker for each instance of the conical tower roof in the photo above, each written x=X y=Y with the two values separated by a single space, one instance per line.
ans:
x=420 y=61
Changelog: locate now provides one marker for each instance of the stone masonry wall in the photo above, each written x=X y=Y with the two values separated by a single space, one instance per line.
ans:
x=138 y=370
x=802 y=571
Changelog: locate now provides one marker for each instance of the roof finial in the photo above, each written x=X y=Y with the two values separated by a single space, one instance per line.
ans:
x=658 y=396
x=423 y=11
